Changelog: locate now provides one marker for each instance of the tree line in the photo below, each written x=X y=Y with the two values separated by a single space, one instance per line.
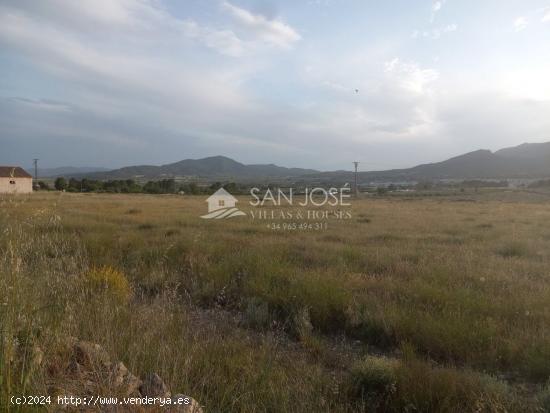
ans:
x=130 y=186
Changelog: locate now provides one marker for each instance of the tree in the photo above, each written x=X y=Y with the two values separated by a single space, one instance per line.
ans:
x=168 y=186
x=424 y=185
x=43 y=186
x=194 y=189
x=152 y=187
x=232 y=188
x=381 y=190
x=60 y=184
x=215 y=186
x=88 y=185
x=75 y=185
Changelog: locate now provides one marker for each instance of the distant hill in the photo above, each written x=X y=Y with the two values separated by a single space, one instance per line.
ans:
x=65 y=170
x=215 y=167
x=529 y=160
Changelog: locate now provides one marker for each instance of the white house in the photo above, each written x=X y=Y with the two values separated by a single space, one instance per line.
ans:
x=15 y=180
x=221 y=199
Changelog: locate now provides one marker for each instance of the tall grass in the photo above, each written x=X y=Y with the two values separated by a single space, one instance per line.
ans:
x=249 y=320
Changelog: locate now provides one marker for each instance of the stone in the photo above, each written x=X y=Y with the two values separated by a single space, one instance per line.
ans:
x=124 y=381
x=153 y=386
x=91 y=355
x=93 y=371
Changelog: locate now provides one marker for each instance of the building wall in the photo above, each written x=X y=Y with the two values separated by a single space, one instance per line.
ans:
x=21 y=186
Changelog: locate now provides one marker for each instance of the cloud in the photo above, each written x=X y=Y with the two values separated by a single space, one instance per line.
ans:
x=436 y=8
x=143 y=97
x=136 y=79
x=224 y=41
x=125 y=81
x=410 y=76
x=273 y=32
x=257 y=30
x=520 y=24
x=501 y=120
x=450 y=28
x=435 y=34
x=42 y=104
x=336 y=86
x=91 y=15
x=157 y=85
x=546 y=18
x=395 y=103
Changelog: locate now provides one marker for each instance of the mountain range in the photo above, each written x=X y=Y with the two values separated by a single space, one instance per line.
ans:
x=529 y=160
x=215 y=167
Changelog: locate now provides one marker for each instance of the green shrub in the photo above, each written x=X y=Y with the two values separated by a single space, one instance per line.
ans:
x=417 y=386
x=374 y=375
x=374 y=380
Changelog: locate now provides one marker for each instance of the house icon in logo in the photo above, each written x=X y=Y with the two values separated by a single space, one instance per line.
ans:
x=221 y=204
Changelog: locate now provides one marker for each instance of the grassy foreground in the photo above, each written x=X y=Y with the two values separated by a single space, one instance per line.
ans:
x=414 y=304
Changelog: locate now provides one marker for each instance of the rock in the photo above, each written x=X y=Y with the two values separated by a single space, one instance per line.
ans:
x=123 y=381
x=118 y=374
x=92 y=371
x=192 y=407
x=153 y=386
x=90 y=355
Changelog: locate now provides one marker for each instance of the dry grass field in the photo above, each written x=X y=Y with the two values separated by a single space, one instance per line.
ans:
x=418 y=304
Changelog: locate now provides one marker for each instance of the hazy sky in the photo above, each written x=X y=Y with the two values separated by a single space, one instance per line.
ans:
x=121 y=82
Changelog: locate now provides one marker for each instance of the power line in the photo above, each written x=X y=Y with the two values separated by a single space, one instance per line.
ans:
x=356 y=165
x=35 y=161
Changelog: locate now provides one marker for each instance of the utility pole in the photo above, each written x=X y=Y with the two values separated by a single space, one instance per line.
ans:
x=356 y=190
x=35 y=161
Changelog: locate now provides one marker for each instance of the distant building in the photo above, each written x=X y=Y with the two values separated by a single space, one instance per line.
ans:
x=15 y=180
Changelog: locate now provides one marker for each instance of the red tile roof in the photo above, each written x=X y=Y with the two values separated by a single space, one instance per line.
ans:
x=13 y=172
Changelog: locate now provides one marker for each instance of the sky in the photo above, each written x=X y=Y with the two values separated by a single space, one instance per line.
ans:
x=299 y=83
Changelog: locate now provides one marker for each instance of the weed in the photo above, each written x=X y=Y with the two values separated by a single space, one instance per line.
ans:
x=109 y=280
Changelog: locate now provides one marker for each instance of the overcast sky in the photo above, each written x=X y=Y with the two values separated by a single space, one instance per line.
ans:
x=305 y=83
